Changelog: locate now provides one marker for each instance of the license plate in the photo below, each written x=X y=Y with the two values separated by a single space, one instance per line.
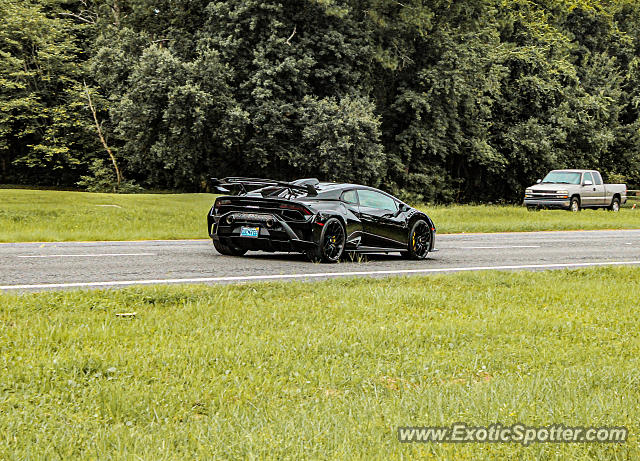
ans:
x=249 y=231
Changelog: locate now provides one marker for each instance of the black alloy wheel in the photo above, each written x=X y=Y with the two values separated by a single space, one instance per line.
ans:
x=419 y=240
x=331 y=245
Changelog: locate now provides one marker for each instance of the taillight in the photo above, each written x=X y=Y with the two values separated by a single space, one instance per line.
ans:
x=219 y=203
x=299 y=208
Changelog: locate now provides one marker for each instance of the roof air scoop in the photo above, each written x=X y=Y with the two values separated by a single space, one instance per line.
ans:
x=307 y=181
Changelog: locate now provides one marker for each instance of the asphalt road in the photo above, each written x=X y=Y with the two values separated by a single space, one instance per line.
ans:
x=42 y=266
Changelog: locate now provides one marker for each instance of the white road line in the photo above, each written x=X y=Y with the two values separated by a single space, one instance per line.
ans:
x=94 y=255
x=310 y=275
x=492 y=247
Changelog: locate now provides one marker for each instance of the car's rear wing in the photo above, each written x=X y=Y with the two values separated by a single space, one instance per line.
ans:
x=269 y=186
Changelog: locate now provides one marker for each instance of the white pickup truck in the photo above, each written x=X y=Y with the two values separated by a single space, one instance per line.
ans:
x=574 y=190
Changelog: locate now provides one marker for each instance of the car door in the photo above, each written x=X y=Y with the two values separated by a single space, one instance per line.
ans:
x=600 y=197
x=384 y=226
x=354 y=231
x=588 y=195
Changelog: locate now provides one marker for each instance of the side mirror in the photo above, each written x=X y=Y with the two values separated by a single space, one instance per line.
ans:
x=394 y=214
x=538 y=181
x=588 y=183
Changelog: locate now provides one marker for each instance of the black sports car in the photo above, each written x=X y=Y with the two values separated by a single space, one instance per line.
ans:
x=321 y=219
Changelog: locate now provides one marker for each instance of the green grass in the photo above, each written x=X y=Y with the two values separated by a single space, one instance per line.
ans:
x=494 y=218
x=43 y=216
x=324 y=370
x=35 y=215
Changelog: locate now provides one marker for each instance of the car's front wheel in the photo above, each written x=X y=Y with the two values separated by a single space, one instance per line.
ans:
x=419 y=240
x=331 y=244
x=228 y=249
x=575 y=204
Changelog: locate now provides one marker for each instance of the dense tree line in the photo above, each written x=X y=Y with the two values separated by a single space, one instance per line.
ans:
x=436 y=100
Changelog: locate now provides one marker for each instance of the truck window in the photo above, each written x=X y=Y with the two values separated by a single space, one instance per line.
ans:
x=587 y=177
x=597 y=179
x=562 y=177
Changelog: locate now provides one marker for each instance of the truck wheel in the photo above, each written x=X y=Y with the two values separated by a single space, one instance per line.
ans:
x=575 y=204
x=615 y=205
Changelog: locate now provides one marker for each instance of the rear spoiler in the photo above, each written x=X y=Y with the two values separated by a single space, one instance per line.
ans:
x=306 y=186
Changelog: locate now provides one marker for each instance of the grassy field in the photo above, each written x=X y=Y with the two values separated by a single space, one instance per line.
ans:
x=327 y=370
x=29 y=215
x=41 y=216
x=496 y=218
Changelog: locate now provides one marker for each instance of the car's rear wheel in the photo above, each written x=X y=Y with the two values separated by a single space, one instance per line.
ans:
x=228 y=249
x=332 y=241
x=419 y=240
x=615 y=204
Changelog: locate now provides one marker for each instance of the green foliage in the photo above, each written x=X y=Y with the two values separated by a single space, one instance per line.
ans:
x=295 y=64
x=617 y=178
x=45 y=128
x=437 y=101
x=103 y=179
x=340 y=140
x=178 y=119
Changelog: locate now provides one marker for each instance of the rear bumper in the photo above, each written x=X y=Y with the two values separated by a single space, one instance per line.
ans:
x=548 y=203
x=275 y=234
x=269 y=244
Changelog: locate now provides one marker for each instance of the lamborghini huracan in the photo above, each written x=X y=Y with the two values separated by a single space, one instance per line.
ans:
x=324 y=220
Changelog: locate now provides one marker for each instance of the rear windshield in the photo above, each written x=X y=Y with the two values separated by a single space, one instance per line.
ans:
x=562 y=177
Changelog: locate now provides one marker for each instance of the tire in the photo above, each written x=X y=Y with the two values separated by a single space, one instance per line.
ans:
x=419 y=240
x=615 y=205
x=227 y=249
x=332 y=241
x=533 y=208
x=575 y=204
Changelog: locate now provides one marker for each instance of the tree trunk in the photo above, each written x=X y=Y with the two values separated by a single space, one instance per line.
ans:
x=3 y=168
x=100 y=135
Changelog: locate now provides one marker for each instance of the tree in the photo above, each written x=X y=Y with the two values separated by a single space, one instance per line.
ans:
x=437 y=101
x=341 y=140
x=178 y=119
x=44 y=125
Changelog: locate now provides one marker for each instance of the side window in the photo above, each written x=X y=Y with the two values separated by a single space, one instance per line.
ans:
x=373 y=199
x=350 y=196
x=597 y=179
x=587 y=177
